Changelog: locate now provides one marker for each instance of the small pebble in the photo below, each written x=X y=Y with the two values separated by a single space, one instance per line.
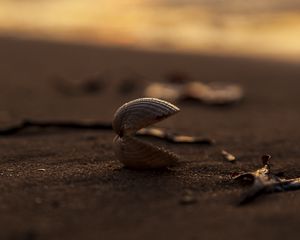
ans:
x=228 y=156
x=188 y=198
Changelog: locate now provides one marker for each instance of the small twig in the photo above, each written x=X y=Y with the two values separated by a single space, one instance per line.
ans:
x=26 y=124
x=263 y=181
x=174 y=137
x=90 y=125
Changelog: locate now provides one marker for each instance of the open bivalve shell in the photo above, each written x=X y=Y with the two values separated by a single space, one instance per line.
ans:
x=130 y=118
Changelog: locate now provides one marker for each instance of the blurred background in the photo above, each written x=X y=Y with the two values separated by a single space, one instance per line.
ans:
x=237 y=27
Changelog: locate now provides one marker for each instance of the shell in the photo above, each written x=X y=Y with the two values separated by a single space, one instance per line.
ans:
x=134 y=153
x=216 y=93
x=213 y=93
x=169 y=92
x=130 y=118
x=140 y=113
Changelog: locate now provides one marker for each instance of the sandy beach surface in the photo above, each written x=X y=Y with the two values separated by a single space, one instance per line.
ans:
x=67 y=184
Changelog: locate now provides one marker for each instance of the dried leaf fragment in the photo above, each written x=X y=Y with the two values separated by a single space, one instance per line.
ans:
x=264 y=181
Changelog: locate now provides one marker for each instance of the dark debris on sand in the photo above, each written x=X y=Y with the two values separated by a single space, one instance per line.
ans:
x=264 y=181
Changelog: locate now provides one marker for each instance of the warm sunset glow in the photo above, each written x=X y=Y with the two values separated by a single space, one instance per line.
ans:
x=148 y=24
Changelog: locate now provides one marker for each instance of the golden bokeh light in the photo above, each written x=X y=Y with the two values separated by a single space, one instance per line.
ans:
x=260 y=29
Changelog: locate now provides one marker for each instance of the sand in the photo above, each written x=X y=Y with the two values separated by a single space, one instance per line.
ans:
x=67 y=184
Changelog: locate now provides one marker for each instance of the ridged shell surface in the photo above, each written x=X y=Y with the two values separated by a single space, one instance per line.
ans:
x=137 y=154
x=141 y=113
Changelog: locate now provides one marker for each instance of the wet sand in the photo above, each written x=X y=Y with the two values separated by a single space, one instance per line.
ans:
x=67 y=184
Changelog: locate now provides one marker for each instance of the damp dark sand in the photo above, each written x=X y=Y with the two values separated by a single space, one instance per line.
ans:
x=67 y=184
